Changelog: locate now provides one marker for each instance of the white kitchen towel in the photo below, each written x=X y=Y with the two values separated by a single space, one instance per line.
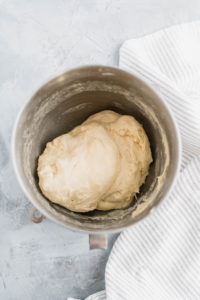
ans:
x=170 y=61
x=159 y=257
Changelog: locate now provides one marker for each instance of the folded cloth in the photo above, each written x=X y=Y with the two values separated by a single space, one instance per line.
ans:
x=159 y=257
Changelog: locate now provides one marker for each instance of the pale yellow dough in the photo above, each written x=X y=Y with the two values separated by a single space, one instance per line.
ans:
x=100 y=164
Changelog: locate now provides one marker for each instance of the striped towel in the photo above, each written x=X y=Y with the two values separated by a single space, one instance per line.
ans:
x=159 y=257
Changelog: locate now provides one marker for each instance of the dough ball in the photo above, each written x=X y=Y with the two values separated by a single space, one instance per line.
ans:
x=100 y=164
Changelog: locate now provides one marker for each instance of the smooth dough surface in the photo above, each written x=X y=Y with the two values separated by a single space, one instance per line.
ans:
x=100 y=164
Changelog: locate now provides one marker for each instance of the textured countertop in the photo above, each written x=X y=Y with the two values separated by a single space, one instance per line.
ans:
x=38 y=40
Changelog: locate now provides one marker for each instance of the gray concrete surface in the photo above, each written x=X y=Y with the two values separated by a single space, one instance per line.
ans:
x=38 y=40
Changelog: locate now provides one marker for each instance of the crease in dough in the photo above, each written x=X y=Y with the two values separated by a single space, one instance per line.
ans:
x=100 y=164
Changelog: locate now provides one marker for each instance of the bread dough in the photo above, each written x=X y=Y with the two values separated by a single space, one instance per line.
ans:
x=100 y=164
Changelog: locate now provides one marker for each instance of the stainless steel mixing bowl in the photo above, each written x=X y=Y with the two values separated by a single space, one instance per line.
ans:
x=67 y=101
